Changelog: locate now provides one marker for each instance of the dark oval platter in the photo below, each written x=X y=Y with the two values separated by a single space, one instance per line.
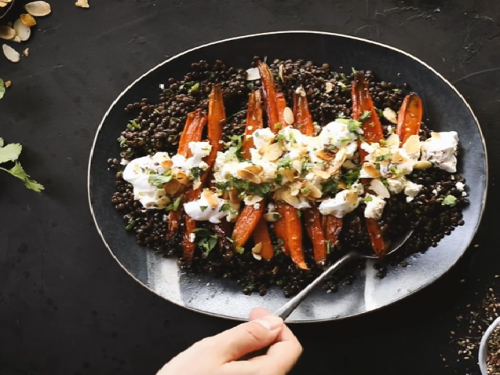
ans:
x=444 y=107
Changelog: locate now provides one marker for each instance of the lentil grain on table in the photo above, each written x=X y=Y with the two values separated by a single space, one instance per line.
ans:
x=157 y=127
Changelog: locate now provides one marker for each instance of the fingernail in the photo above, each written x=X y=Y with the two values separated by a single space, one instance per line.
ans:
x=270 y=322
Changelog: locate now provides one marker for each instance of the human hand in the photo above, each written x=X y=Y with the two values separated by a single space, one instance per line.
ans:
x=220 y=354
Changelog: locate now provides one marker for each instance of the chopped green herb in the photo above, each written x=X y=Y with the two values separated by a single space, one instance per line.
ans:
x=10 y=153
x=305 y=191
x=330 y=187
x=343 y=77
x=367 y=199
x=244 y=186
x=235 y=114
x=350 y=177
x=222 y=186
x=306 y=166
x=250 y=86
x=299 y=214
x=130 y=225
x=240 y=250
x=157 y=112
x=281 y=136
x=380 y=113
x=352 y=125
x=328 y=245
x=205 y=239
x=384 y=157
x=277 y=125
x=203 y=208
x=354 y=71
x=285 y=162
x=195 y=87
x=235 y=150
x=135 y=124
x=174 y=206
x=383 y=142
x=278 y=179
x=227 y=207
x=342 y=85
x=196 y=172
x=122 y=140
x=365 y=116
x=159 y=180
x=449 y=200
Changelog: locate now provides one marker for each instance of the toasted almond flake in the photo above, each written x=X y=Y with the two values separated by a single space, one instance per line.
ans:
x=28 y=19
x=17 y=39
x=300 y=90
x=11 y=53
x=172 y=187
x=422 y=164
x=82 y=4
x=271 y=217
x=338 y=161
x=281 y=72
x=314 y=192
x=38 y=8
x=255 y=169
x=22 y=30
x=182 y=178
x=26 y=52
x=211 y=198
x=8 y=84
x=288 y=115
x=257 y=256
x=412 y=144
x=297 y=165
x=273 y=152
x=379 y=188
x=351 y=197
x=328 y=87
x=167 y=164
x=253 y=74
x=257 y=248
x=295 y=188
x=249 y=176
x=371 y=170
x=288 y=174
x=392 y=140
x=7 y=33
x=322 y=174
x=289 y=198
x=390 y=115
x=275 y=270
x=3 y=4
x=398 y=158
x=325 y=155
x=252 y=199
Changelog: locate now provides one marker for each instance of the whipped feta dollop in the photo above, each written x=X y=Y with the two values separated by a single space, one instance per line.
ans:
x=344 y=202
x=208 y=207
x=138 y=171
x=441 y=149
x=374 y=207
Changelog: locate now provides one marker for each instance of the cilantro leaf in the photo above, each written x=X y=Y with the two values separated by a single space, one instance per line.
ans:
x=285 y=162
x=205 y=239
x=130 y=225
x=250 y=188
x=383 y=157
x=10 y=152
x=350 y=177
x=196 y=172
x=328 y=246
x=367 y=199
x=449 y=200
x=352 y=125
x=227 y=207
x=203 y=208
x=174 y=206
x=159 y=180
x=365 y=116
x=2 y=90
x=18 y=172
x=235 y=150
x=330 y=187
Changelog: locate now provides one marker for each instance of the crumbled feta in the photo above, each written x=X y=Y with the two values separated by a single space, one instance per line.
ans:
x=396 y=185
x=192 y=237
x=411 y=190
x=374 y=207
x=344 y=202
x=441 y=150
x=460 y=186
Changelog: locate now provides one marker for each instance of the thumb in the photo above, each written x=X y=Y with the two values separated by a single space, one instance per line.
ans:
x=248 y=337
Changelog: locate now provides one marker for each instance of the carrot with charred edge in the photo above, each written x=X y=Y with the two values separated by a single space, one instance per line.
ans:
x=280 y=226
x=193 y=130
x=246 y=224
x=409 y=117
x=302 y=115
x=281 y=105
x=254 y=122
x=216 y=115
x=188 y=246
x=261 y=235
x=332 y=226
x=293 y=239
x=315 y=231
x=372 y=131
x=269 y=92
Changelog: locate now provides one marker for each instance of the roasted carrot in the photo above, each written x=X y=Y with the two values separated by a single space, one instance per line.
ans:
x=280 y=226
x=281 y=106
x=409 y=117
x=363 y=108
x=188 y=246
x=302 y=115
x=246 y=224
x=269 y=93
x=293 y=239
x=216 y=117
x=193 y=130
x=332 y=226
x=315 y=231
x=254 y=122
x=261 y=235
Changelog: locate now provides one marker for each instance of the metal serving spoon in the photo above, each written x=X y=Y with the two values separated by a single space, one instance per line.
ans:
x=284 y=311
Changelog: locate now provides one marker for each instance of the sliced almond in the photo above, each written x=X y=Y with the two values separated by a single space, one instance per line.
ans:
x=273 y=152
x=281 y=72
x=3 y=5
x=249 y=176
x=379 y=188
x=8 y=84
x=390 y=115
x=253 y=74
x=252 y=199
x=22 y=30
x=288 y=174
x=313 y=192
x=371 y=170
x=297 y=165
x=257 y=256
x=338 y=161
x=325 y=155
x=295 y=188
x=167 y=164
x=288 y=115
x=11 y=53
x=211 y=198
x=412 y=144
x=257 y=248
x=38 y=8
x=28 y=19
x=17 y=39
x=422 y=164
x=82 y=4
x=26 y=52
x=172 y=187
x=351 y=197
x=289 y=198
x=255 y=169
x=300 y=90
x=322 y=174
x=7 y=33
x=392 y=140
x=328 y=87
x=271 y=217
x=398 y=158
x=182 y=178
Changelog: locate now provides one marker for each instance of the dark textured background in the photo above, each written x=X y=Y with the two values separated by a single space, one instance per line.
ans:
x=65 y=305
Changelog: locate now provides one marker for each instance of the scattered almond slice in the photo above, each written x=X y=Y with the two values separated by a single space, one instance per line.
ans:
x=211 y=198
x=26 y=52
x=371 y=170
x=322 y=174
x=379 y=188
x=273 y=152
x=172 y=187
x=300 y=90
x=412 y=144
x=257 y=248
x=257 y=256
x=11 y=53
x=7 y=84
x=390 y=115
x=82 y=4
x=38 y=8
x=288 y=115
x=17 y=39
x=28 y=19
x=325 y=155
x=252 y=199
x=22 y=30
x=253 y=74
x=7 y=33
x=314 y=192
x=422 y=164
x=249 y=176
x=328 y=87
x=281 y=71
x=3 y=5
x=255 y=169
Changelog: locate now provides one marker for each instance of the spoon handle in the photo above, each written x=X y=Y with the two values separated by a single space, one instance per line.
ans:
x=284 y=311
